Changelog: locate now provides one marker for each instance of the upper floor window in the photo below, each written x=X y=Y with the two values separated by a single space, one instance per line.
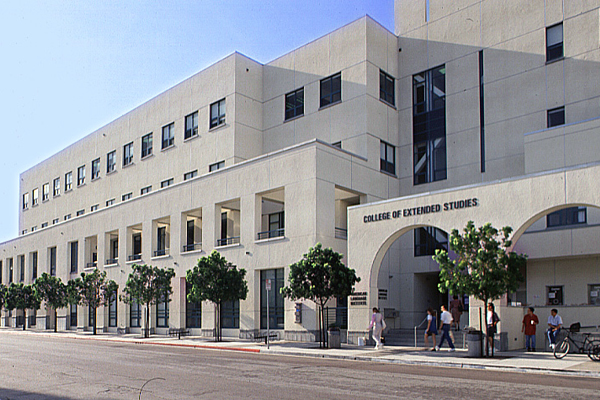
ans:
x=191 y=125
x=56 y=190
x=166 y=183
x=556 y=117
x=126 y=197
x=111 y=161
x=127 y=154
x=294 y=104
x=95 y=168
x=44 y=225
x=146 y=145
x=428 y=240
x=81 y=175
x=567 y=216
x=35 y=197
x=554 y=42
x=217 y=113
x=68 y=181
x=110 y=202
x=331 y=90
x=386 y=88
x=216 y=166
x=67 y=217
x=45 y=191
x=94 y=208
x=190 y=175
x=388 y=157
x=80 y=212
x=146 y=190
x=55 y=221
x=168 y=135
x=25 y=201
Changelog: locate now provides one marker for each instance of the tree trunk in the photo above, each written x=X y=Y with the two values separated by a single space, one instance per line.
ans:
x=487 y=331
x=147 y=321
x=24 y=319
x=94 y=319
x=55 y=320
x=323 y=328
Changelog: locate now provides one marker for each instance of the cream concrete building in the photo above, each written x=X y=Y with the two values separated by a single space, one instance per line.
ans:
x=473 y=99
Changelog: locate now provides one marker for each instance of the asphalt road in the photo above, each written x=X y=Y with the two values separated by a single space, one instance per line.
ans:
x=36 y=367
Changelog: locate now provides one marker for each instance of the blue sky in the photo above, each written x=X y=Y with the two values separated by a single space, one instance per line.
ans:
x=70 y=67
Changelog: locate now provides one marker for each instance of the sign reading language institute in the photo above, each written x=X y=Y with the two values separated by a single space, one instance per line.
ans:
x=428 y=209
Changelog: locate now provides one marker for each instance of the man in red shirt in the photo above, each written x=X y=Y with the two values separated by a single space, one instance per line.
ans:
x=530 y=320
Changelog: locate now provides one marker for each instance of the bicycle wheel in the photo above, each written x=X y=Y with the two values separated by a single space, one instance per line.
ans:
x=561 y=349
x=594 y=352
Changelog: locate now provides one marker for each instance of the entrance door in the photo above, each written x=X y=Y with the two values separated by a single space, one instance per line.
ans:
x=428 y=295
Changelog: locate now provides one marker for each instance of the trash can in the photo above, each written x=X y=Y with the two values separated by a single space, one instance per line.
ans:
x=474 y=343
x=361 y=341
x=334 y=338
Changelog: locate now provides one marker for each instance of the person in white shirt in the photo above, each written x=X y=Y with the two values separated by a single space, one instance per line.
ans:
x=378 y=325
x=445 y=322
x=554 y=324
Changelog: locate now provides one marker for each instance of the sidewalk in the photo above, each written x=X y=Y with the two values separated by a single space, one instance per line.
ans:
x=513 y=361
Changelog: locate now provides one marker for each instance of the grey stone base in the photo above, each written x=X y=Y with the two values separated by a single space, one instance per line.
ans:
x=301 y=336
x=354 y=335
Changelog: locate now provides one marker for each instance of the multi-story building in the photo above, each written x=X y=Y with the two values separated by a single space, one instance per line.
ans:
x=373 y=143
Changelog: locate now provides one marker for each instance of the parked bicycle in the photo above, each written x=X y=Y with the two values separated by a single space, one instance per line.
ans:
x=584 y=343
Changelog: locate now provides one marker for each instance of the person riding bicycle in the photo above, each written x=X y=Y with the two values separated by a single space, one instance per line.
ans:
x=554 y=324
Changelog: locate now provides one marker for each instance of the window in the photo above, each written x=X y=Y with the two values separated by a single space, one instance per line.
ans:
x=52 y=256
x=388 y=158
x=126 y=197
x=331 y=90
x=80 y=212
x=55 y=221
x=135 y=315
x=35 y=197
x=567 y=216
x=34 y=265
x=146 y=190
x=276 y=301
x=428 y=240
x=94 y=208
x=74 y=247
x=190 y=175
x=554 y=42
x=56 y=191
x=114 y=250
x=45 y=191
x=21 y=268
x=294 y=104
x=81 y=175
x=429 y=125
x=34 y=228
x=146 y=145
x=217 y=113
x=193 y=312
x=67 y=217
x=110 y=202
x=161 y=236
x=24 y=231
x=44 y=225
x=230 y=314
x=166 y=183
x=168 y=135
x=25 y=201
x=337 y=144
x=10 y=270
x=68 y=181
x=137 y=244
x=554 y=295
x=216 y=166
x=191 y=125
x=593 y=294
x=112 y=309
x=386 y=88
x=128 y=154
x=556 y=117
x=162 y=314
x=95 y=168
x=111 y=161
x=73 y=315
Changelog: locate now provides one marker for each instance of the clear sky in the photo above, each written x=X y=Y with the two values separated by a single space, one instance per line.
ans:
x=69 y=67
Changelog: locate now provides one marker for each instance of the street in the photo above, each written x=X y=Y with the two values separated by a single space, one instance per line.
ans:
x=40 y=367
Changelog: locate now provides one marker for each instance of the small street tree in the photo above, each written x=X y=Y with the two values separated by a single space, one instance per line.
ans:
x=95 y=291
x=21 y=297
x=484 y=267
x=320 y=276
x=148 y=285
x=217 y=280
x=53 y=291
x=2 y=295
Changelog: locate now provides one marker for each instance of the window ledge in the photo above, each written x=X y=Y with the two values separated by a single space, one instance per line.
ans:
x=191 y=138
x=147 y=156
x=389 y=174
x=34 y=205
x=168 y=147
x=56 y=195
x=111 y=265
x=216 y=128
x=133 y=261
x=128 y=165
x=114 y=171
x=45 y=201
x=95 y=179
x=273 y=239
x=227 y=246
x=183 y=253
x=329 y=105
x=292 y=119
x=160 y=257
x=388 y=104
x=68 y=191
x=83 y=184
x=555 y=60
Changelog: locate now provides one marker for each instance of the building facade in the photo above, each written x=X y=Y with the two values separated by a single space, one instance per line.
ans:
x=475 y=110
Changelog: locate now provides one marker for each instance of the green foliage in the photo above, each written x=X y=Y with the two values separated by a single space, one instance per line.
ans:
x=92 y=290
x=21 y=297
x=2 y=295
x=51 y=290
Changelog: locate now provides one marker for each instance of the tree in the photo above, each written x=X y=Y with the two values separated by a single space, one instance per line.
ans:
x=217 y=280
x=21 y=297
x=484 y=267
x=95 y=291
x=53 y=291
x=148 y=285
x=319 y=276
x=2 y=295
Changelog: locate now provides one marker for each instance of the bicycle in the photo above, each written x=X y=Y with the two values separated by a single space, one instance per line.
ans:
x=591 y=347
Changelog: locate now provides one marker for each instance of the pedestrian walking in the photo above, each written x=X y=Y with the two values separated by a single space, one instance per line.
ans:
x=445 y=324
x=456 y=309
x=530 y=321
x=492 y=322
x=378 y=325
x=554 y=324
x=431 y=327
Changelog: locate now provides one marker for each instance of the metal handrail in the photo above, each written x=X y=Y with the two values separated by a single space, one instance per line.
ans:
x=134 y=257
x=192 y=247
x=271 y=234
x=111 y=261
x=418 y=326
x=161 y=252
x=228 y=241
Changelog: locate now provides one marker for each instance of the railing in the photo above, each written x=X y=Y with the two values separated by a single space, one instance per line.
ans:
x=111 y=261
x=91 y=265
x=227 y=241
x=333 y=317
x=417 y=327
x=134 y=257
x=341 y=233
x=271 y=234
x=161 y=252
x=192 y=247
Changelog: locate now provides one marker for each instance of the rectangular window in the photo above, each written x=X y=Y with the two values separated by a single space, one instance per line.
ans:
x=554 y=295
x=67 y=217
x=126 y=197
x=10 y=270
x=216 y=166
x=428 y=240
x=276 y=301
x=230 y=314
x=73 y=315
x=387 y=158
x=193 y=312
x=166 y=183
x=34 y=265
x=56 y=191
x=55 y=221
x=24 y=231
x=35 y=197
x=386 y=88
x=21 y=268
x=276 y=224
x=45 y=191
x=168 y=135
x=191 y=231
x=331 y=90
x=161 y=235
x=429 y=125
x=52 y=257
x=33 y=228
x=114 y=250
x=191 y=125
x=556 y=117
x=25 y=201
x=81 y=175
x=110 y=202
x=112 y=310
x=128 y=154
x=146 y=145
x=68 y=181
x=135 y=315
x=94 y=208
x=74 y=247
x=554 y=42
x=111 y=161
x=137 y=243
x=190 y=175
x=593 y=294
x=162 y=314
x=217 y=113
x=80 y=212
x=294 y=104
x=566 y=217
x=146 y=190
x=95 y=168
x=44 y=225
